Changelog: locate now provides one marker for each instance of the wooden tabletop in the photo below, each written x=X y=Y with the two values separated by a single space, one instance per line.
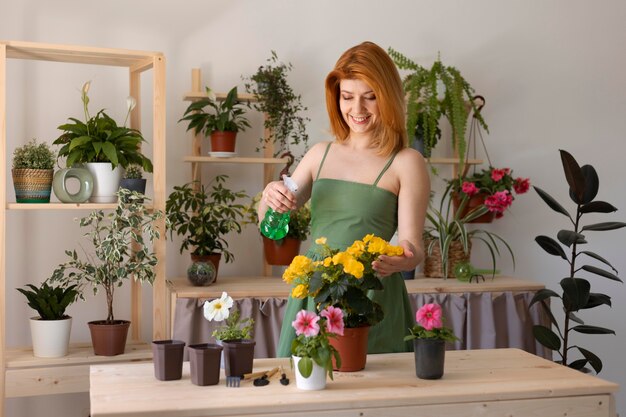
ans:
x=274 y=287
x=489 y=382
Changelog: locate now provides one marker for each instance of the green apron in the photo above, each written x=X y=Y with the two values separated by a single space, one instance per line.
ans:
x=345 y=211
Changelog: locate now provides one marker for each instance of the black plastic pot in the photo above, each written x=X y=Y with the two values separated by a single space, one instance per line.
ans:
x=238 y=357
x=167 y=356
x=429 y=358
x=204 y=363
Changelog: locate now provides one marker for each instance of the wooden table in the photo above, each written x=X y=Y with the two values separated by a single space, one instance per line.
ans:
x=486 y=383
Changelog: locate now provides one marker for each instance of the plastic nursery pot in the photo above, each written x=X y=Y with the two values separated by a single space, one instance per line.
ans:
x=238 y=357
x=352 y=348
x=223 y=141
x=204 y=363
x=429 y=358
x=108 y=339
x=167 y=356
x=315 y=381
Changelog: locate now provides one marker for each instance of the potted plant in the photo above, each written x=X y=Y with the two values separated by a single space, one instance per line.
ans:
x=492 y=187
x=33 y=165
x=429 y=337
x=234 y=335
x=113 y=261
x=280 y=104
x=312 y=353
x=221 y=123
x=50 y=331
x=282 y=251
x=102 y=146
x=203 y=217
x=576 y=295
x=426 y=105
x=133 y=179
x=448 y=240
x=343 y=280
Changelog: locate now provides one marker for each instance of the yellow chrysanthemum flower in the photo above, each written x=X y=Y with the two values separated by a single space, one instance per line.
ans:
x=320 y=241
x=299 y=291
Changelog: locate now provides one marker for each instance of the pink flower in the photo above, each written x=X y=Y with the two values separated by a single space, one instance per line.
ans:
x=429 y=316
x=334 y=320
x=521 y=185
x=469 y=188
x=306 y=323
x=498 y=174
x=498 y=202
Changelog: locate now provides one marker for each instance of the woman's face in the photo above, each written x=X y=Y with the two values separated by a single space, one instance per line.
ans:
x=358 y=105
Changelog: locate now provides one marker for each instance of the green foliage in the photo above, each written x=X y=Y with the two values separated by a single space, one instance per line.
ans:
x=224 y=116
x=439 y=333
x=315 y=349
x=133 y=172
x=234 y=328
x=281 y=105
x=425 y=107
x=204 y=217
x=299 y=220
x=446 y=226
x=50 y=301
x=576 y=292
x=100 y=139
x=113 y=260
x=33 y=156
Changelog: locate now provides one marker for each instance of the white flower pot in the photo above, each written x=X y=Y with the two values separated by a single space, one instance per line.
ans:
x=50 y=337
x=316 y=381
x=106 y=181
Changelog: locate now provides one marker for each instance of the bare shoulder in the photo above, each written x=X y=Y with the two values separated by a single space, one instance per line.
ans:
x=311 y=160
x=410 y=161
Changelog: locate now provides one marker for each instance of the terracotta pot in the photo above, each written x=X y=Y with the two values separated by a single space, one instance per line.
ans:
x=167 y=356
x=204 y=363
x=238 y=357
x=214 y=258
x=476 y=200
x=282 y=251
x=352 y=348
x=429 y=358
x=433 y=265
x=223 y=141
x=108 y=339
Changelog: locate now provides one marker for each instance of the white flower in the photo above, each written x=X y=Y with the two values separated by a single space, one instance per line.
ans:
x=86 y=87
x=210 y=94
x=131 y=103
x=218 y=309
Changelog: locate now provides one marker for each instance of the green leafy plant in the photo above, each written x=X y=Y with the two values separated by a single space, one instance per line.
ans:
x=446 y=226
x=100 y=139
x=282 y=106
x=113 y=261
x=299 y=220
x=425 y=107
x=50 y=302
x=33 y=155
x=204 y=216
x=576 y=292
x=224 y=116
x=133 y=172
x=429 y=318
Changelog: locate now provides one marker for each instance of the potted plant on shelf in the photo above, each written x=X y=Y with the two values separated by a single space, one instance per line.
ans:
x=33 y=166
x=203 y=217
x=102 y=147
x=448 y=240
x=426 y=105
x=342 y=279
x=234 y=335
x=133 y=179
x=50 y=331
x=221 y=124
x=491 y=187
x=429 y=337
x=312 y=353
x=113 y=261
x=576 y=292
x=280 y=104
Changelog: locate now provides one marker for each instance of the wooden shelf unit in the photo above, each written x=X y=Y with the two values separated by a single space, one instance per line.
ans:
x=22 y=373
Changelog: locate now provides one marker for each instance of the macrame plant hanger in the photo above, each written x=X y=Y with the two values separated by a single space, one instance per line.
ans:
x=474 y=132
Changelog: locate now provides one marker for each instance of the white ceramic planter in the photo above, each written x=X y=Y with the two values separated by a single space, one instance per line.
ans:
x=106 y=181
x=316 y=381
x=50 y=337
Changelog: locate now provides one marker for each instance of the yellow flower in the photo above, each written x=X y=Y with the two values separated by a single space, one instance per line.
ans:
x=393 y=250
x=328 y=262
x=300 y=266
x=299 y=291
x=353 y=267
x=357 y=248
x=340 y=258
x=376 y=245
x=367 y=238
x=320 y=241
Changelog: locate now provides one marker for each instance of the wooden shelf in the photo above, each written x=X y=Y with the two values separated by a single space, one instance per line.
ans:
x=27 y=375
x=236 y=160
x=63 y=206
x=452 y=161
x=197 y=95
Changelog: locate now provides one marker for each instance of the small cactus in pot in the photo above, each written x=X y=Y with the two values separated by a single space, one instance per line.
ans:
x=133 y=179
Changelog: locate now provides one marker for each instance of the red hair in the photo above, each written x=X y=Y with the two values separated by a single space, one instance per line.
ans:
x=369 y=63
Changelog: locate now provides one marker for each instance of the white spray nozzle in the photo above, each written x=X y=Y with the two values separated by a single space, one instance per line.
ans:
x=290 y=184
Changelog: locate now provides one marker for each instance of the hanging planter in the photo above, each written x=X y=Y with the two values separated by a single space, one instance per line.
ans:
x=474 y=201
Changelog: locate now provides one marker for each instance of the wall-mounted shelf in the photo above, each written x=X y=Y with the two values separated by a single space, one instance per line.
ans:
x=236 y=160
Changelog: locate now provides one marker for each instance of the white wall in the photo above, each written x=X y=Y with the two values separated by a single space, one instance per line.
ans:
x=552 y=73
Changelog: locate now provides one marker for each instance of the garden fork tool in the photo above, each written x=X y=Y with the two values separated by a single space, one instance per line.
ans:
x=233 y=381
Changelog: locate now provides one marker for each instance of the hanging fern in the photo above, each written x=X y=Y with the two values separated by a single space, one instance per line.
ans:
x=425 y=108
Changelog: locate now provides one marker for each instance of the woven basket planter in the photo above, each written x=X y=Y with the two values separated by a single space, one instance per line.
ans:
x=32 y=185
x=433 y=265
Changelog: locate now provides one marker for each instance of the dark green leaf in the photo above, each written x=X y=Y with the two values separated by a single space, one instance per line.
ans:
x=598 y=207
x=305 y=366
x=554 y=205
x=601 y=272
x=587 y=329
x=592 y=184
x=542 y=295
x=596 y=299
x=575 y=293
x=573 y=175
x=594 y=361
x=551 y=246
x=603 y=226
x=547 y=337
x=569 y=237
x=599 y=258
x=575 y=318
x=578 y=364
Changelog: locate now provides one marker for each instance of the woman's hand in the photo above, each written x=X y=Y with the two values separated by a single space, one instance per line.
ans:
x=387 y=265
x=278 y=197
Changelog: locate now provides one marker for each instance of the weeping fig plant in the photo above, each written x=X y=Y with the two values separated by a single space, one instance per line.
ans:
x=576 y=292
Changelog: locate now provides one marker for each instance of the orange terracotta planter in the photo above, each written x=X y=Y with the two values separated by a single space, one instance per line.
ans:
x=352 y=348
x=476 y=200
x=223 y=141
x=282 y=251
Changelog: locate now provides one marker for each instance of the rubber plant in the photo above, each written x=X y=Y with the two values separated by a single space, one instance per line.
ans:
x=576 y=292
